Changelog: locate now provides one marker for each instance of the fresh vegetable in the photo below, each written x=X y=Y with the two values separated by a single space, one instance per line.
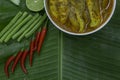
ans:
x=18 y=27
x=16 y=2
x=17 y=58
x=35 y=5
x=25 y=26
x=7 y=64
x=22 y=27
x=37 y=38
x=27 y=30
x=36 y=26
x=42 y=37
x=22 y=62
x=10 y=23
x=16 y=23
x=31 y=51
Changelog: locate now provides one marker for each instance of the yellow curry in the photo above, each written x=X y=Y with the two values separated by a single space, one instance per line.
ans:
x=80 y=16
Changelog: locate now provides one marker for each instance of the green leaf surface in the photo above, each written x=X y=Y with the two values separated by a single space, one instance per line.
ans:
x=66 y=57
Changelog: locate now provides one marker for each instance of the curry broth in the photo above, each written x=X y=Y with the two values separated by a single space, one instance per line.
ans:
x=87 y=19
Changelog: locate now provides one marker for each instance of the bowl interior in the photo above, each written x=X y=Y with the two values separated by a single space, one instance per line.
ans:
x=79 y=34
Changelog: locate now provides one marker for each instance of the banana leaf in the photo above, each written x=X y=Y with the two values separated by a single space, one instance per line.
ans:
x=66 y=57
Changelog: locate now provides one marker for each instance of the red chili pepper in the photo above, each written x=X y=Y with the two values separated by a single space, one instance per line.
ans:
x=22 y=62
x=37 y=38
x=17 y=58
x=32 y=46
x=41 y=38
x=7 y=65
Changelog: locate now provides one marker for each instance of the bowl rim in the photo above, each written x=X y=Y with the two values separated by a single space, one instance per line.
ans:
x=80 y=34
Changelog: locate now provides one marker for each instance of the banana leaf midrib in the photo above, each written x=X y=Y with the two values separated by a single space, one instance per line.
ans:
x=60 y=53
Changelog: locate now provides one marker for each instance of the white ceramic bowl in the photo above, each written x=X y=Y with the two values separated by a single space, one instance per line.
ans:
x=79 y=34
